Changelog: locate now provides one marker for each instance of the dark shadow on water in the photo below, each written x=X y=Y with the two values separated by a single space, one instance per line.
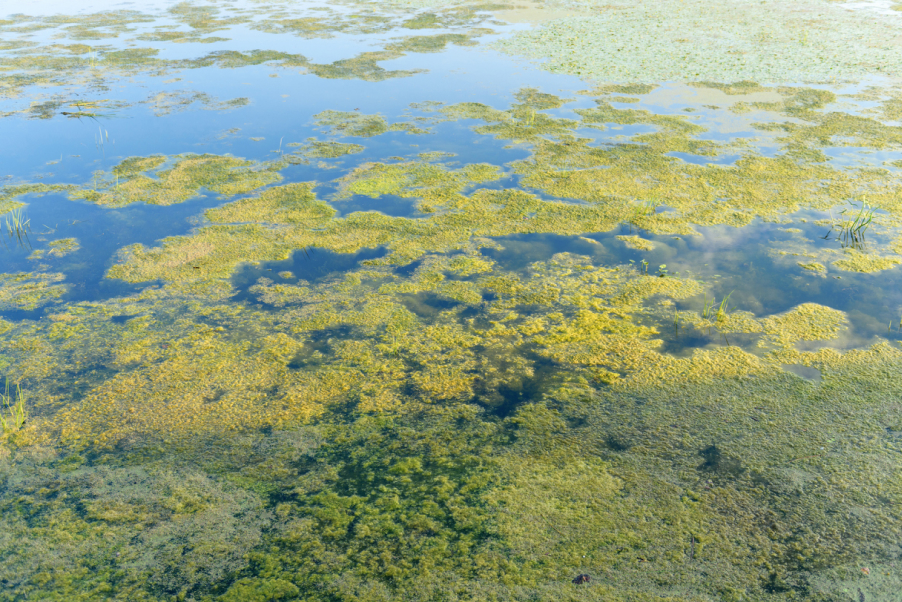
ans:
x=122 y=319
x=504 y=401
x=682 y=341
x=310 y=264
x=521 y=250
x=406 y=271
x=427 y=304
x=319 y=346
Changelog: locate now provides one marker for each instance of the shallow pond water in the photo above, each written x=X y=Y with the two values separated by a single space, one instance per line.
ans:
x=451 y=301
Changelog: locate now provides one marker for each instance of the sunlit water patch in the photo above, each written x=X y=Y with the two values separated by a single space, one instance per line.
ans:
x=338 y=302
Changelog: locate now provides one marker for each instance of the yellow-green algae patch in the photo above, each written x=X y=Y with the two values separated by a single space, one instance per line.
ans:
x=635 y=242
x=291 y=204
x=813 y=267
x=28 y=291
x=647 y=471
x=435 y=185
x=183 y=179
x=443 y=444
x=56 y=248
x=321 y=149
x=9 y=193
x=619 y=89
x=7 y=206
x=352 y=123
x=164 y=103
x=857 y=261
x=807 y=322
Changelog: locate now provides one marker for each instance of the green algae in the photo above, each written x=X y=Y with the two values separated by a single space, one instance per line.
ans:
x=452 y=17
x=814 y=267
x=753 y=187
x=351 y=123
x=10 y=192
x=179 y=37
x=322 y=149
x=56 y=248
x=7 y=206
x=292 y=204
x=734 y=88
x=27 y=65
x=619 y=89
x=130 y=520
x=28 y=291
x=435 y=155
x=165 y=103
x=636 y=242
x=183 y=179
x=414 y=485
x=203 y=18
x=522 y=122
x=479 y=432
x=856 y=261
x=610 y=42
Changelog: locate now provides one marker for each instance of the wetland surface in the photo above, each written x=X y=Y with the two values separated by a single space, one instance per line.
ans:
x=451 y=301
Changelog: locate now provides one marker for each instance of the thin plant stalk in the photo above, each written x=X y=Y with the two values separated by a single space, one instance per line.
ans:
x=12 y=415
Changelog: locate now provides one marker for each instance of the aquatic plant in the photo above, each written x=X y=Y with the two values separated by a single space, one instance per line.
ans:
x=714 y=313
x=851 y=230
x=12 y=413
x=17 y=226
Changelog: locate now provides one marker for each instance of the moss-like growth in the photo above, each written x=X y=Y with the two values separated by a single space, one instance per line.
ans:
x=28 y=291
x=636 y=242
x=856 y=261
x=813 y=267
x=56 y=248
x=183 y=179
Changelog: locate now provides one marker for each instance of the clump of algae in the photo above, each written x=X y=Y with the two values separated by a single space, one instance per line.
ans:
x=857 y=261
x=164 y=103
x=636 y=242
x=29 y=64
x=28 y=291
x=813 y=267
x=438 y=457
x=421 y=478
x=609 y=42
x=321 y=149
x=608 y=180
x=131 y=520
x=9 y=193
x=56 y=248
x=182 y=179
x=352 y=123
x=8 y=206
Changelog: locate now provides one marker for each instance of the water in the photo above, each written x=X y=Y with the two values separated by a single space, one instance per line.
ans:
x=375 y=311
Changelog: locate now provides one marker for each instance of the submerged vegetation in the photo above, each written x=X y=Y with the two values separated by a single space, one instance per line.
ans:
x=12 y=409
x=356 y=344
x=17 y=226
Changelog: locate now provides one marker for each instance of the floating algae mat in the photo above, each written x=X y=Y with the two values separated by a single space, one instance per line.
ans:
x=447 y=301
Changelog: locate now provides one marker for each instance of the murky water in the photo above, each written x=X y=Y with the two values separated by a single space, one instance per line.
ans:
x=359 y=301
